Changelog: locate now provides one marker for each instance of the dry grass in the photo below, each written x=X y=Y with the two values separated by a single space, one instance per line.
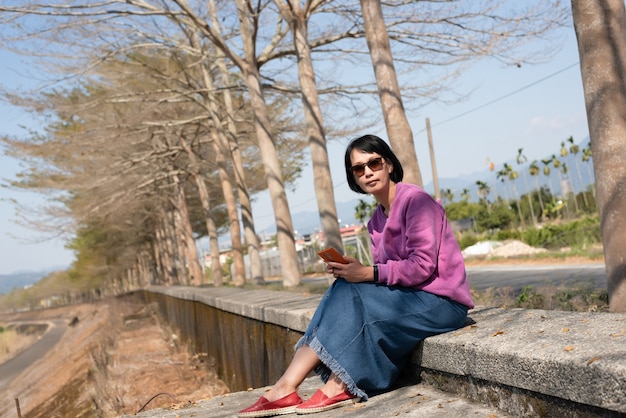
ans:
x=577 y=298
x=111 y=362
x=12 y=343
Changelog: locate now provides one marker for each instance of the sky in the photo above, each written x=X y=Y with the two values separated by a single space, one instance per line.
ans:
x=534 y=107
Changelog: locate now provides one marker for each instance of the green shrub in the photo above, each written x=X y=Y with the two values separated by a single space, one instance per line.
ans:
x=507 y=234
x=580 y=296
x=467 y=240
x=580 y=233
x=529 y=298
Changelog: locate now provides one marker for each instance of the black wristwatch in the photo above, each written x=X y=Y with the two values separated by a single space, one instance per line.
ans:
x=375 y=273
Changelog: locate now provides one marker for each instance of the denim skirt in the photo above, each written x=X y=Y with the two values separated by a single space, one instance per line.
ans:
x=365 y=333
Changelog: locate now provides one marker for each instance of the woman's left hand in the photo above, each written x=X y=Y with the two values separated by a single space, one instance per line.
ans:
x=353 y=271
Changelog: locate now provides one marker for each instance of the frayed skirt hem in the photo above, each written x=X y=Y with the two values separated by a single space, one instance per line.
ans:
x=330 y=365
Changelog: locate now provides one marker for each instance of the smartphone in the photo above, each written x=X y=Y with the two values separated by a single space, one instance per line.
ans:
x=330 y=254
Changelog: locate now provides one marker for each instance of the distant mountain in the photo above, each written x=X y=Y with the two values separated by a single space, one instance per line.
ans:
x=309 y=221
x=9 y=282
x=20 y=279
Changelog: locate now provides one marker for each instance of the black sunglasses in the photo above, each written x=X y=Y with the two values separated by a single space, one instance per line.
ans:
x=375 y=164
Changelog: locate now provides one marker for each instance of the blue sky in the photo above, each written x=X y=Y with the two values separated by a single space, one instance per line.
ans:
x=532 y=107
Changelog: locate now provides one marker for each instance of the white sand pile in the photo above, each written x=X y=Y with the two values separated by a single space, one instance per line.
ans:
x=505 y=249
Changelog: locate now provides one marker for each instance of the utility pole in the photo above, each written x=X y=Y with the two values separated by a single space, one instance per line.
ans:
x=433 y=162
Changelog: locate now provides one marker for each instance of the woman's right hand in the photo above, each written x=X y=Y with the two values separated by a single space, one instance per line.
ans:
x=353 y=271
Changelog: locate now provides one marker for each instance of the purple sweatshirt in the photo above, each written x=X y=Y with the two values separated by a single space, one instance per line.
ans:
x=415 y=246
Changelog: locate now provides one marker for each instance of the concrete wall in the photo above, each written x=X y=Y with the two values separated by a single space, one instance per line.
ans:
x=526 y=362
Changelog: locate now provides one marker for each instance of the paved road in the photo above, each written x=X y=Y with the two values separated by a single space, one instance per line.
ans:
x=10 y=369
x=517 y=277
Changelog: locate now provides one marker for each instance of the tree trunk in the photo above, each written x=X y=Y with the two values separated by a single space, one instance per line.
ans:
x=600 y=27
x=322 y=178
x=216 y=267
x=171 y=270
x=245 y=205
x=222 y=152
x=158 y=259
x=189 y=253
x=220 y=145
x=205 y=201
x=396 y=122
x=273 y=173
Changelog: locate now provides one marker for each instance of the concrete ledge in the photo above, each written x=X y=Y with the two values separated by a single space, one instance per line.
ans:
x=577 y=357
x=526 y=362
x=285 y=309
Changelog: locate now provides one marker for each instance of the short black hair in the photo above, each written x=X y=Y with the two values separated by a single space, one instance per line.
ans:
x=371 y=144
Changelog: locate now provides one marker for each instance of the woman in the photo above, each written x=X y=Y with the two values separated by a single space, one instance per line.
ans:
x=371 y=318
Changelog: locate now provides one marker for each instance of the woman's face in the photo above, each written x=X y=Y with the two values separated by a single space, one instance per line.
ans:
x=371 y=171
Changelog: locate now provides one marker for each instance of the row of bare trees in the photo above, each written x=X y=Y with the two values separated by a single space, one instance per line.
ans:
x=166 y=116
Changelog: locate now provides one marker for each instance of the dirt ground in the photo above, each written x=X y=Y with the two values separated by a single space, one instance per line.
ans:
x=116 y=359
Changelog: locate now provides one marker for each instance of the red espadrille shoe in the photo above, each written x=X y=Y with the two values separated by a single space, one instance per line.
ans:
x=319 y=402
x=265 y=408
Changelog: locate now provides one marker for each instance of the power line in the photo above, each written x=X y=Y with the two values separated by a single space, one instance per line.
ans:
x=504 y=96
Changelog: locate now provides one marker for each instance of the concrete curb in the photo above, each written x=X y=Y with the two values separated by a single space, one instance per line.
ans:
x=528 y=362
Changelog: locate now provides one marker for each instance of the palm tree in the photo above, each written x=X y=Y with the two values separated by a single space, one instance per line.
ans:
x=574 y=149
x=534 y=171
x=563 y=170
x=512 y=175
x=521 y=159
x=563 y=177
x=502 y=175
x=564 y=174
x=483 y=190
x=447 y=195
x=546 y=172
x=465 y=195
x=586 y=158
x=363 y=211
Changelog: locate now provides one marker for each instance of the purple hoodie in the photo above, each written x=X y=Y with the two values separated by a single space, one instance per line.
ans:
x=415 y=246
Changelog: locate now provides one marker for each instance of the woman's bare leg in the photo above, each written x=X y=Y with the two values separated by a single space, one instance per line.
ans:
x=303 y=363
x=334 y=386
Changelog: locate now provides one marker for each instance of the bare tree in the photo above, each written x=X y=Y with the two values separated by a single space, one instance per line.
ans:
x=249 y=66
x=187 y=242
x=600 y=27
x=297 y=19
x=396 y=121
x=205 y=200
x=245 y=204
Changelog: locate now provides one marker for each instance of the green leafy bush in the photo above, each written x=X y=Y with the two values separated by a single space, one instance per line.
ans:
x=579 y=233
x=529 y=298
x=467 y=240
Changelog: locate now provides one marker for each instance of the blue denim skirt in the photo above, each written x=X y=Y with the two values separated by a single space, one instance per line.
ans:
x=365 y=333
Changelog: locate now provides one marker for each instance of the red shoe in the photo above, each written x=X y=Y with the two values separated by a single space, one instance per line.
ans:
x=320 y=402
x=265 y=408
